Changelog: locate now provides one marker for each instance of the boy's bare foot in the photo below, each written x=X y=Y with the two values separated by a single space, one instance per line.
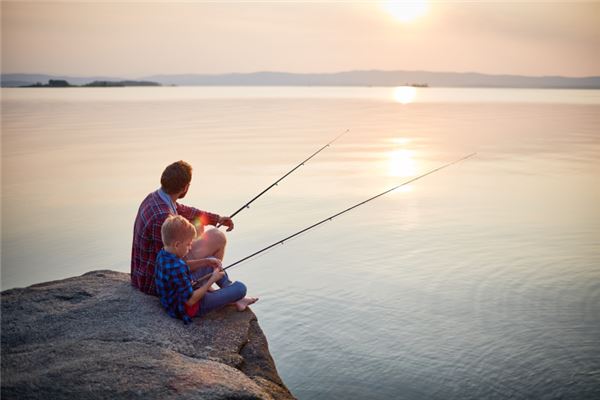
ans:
x=245 y=302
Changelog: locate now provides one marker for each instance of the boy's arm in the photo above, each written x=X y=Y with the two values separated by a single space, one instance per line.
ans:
x=203 y=262
x=201 y=291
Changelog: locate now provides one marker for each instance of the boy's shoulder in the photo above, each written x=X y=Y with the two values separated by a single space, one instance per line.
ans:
x=169 y=258
x=170 y=271
x=170 y=264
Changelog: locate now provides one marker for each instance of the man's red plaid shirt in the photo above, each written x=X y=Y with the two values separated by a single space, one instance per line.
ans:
x=147 y=241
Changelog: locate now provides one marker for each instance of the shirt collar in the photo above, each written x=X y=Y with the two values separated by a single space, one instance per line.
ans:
x=168 y=254
x=167 y=199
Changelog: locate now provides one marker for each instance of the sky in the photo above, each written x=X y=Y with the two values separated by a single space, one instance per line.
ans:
x=140 y=38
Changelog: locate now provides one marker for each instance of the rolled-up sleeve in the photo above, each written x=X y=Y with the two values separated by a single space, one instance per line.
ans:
x=196 y=216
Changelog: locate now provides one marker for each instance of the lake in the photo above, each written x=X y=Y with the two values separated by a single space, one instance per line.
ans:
x=480 y=281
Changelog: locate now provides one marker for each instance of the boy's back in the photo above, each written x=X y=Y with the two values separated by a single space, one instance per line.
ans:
x=173 y=284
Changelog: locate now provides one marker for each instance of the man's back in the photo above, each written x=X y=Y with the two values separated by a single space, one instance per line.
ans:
x=147 y=241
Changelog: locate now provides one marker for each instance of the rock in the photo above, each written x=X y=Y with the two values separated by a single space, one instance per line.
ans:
x=96 y=337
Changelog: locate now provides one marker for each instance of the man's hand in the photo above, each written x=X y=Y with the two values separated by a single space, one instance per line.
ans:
x=213 y=262
x=228 y=222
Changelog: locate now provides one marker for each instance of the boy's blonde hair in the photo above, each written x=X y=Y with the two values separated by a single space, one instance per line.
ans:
x=176 y=228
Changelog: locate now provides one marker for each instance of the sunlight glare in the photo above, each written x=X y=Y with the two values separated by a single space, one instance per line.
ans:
x=402 y=141
x=406 y=11
x=402 y=163
x=405 y=94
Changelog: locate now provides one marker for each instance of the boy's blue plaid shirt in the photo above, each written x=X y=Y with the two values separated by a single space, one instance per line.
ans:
x=173 y=284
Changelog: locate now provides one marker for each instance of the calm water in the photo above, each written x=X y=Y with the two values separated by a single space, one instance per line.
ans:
x=480 y=281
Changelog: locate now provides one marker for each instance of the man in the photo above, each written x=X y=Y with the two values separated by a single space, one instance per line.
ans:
x=207 y=251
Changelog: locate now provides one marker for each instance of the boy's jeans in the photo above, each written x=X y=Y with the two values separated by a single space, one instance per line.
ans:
x=230 y=292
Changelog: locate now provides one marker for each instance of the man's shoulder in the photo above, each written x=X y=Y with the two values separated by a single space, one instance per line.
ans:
x=154 y=207
x=151 y=199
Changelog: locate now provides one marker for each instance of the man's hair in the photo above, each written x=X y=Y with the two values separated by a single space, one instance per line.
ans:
x=176 y=228
x=176 y=177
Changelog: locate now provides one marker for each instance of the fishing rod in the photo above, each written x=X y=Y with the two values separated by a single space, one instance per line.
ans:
x=282 y=241
x=247 y=205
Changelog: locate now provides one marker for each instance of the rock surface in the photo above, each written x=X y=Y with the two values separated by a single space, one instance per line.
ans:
x=96 y=337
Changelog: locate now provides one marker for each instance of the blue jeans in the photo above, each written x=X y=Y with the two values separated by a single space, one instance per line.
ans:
x=230 y=292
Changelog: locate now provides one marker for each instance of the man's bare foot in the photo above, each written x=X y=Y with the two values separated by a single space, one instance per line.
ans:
x=245 y=302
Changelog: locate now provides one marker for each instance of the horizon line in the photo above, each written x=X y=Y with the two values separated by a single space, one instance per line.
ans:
x=298 y=73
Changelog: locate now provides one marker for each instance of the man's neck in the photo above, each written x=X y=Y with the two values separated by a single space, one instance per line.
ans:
x=173 y=197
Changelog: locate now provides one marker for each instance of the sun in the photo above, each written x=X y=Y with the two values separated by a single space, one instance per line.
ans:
x=406 y=11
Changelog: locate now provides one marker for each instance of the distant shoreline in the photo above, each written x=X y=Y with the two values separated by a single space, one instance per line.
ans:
x=62 y=83
x=372 y=78
x=308 y=86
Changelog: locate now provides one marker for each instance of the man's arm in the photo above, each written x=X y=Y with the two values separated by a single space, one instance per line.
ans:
x=203 y=218
x=192 y=214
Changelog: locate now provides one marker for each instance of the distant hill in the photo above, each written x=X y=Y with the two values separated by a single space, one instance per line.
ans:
x=379 y=78
x=15 y=80
x=120 y=83
x=350 y=78
x=62 y=83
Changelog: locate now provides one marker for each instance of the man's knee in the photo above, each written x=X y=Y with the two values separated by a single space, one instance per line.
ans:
x=215 y=237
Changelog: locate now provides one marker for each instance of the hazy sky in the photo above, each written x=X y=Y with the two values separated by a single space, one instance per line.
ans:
x=136 y=39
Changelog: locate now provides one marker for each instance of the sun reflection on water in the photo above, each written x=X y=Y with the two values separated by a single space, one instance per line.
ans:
x=402 y=163
x=405 y=94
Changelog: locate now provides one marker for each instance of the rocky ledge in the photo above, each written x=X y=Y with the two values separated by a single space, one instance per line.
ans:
x=95 y=337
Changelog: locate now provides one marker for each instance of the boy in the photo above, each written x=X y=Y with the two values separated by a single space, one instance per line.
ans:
x=174 y=280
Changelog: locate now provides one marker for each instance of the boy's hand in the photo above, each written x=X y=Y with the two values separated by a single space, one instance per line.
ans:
x=217 y=274
x=213 y=262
